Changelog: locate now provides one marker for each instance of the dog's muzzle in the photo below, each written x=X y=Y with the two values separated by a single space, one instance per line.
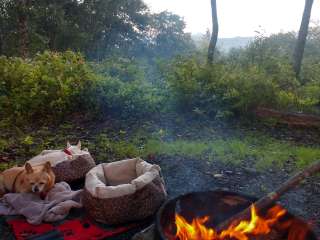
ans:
x=36 y=189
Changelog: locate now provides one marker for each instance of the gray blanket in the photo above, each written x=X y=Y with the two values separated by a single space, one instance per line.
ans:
x=54 y=207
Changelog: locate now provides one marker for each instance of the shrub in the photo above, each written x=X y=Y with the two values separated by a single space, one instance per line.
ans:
x=225 y=88
x=54 y=85
x=124 y=69
x=124 y=90
x=50 y=86
x=197 y=87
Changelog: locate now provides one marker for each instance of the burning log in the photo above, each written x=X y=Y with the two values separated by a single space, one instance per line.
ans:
x=272 y=197
x=274 y=235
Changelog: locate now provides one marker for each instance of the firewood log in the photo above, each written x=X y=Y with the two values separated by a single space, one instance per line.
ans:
x=269 y=200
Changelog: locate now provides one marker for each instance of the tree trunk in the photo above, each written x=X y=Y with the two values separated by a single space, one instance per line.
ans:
x=2 y=22
x=1 y=42
x=215 y=30
x=302 y=37
x=23 y=28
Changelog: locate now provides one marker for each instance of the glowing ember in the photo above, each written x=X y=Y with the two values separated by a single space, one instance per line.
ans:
x=240 y=231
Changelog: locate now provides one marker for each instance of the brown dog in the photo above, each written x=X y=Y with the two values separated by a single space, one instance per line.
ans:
x=38 y=179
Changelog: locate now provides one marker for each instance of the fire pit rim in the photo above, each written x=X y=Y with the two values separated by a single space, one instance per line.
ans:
x=158 y=227
x=158 y=216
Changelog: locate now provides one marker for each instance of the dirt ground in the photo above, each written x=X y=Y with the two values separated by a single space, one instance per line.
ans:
x=187 y=175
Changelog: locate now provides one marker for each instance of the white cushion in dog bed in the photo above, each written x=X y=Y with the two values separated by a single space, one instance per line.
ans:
x=120 y=178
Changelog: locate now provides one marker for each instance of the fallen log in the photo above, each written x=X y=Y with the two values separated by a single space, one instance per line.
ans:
x=270 y=199
x=289 y=118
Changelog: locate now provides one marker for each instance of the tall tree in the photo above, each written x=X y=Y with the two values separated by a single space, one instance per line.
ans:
x=114 y=25
x=2 y=23
x=167 y=35
x=215 y=31
x=302 y=36
x=97 y=28
x=22 y=8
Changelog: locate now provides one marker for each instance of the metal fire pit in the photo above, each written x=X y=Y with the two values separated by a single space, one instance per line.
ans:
x=219 y=206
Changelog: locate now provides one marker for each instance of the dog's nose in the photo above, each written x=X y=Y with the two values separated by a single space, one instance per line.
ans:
x=36 y=189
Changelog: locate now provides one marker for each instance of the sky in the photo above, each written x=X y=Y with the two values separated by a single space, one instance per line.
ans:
x=239 y=17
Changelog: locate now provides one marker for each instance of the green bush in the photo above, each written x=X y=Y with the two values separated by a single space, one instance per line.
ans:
x=124 y=90
x=54 y=85
x=225 y=88
x=50 y=86
x=197 y=87
x=125 y=69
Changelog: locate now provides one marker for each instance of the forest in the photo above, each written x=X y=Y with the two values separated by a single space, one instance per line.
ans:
x=128 y=82
x=99 y=60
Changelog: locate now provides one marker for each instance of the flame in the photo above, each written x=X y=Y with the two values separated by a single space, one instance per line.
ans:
x=196 y=230
x=256 y=226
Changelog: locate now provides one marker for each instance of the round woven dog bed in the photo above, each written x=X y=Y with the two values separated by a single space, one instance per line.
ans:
x=123 y=191
x=67 y=169
x=75 y=169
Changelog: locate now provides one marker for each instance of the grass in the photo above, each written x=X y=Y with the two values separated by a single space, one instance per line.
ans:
x=179 y=147
x=260 y=151
x=107 y=150
x=4 y=144
x=306 y=155
x=4 y=166
x=263 y=152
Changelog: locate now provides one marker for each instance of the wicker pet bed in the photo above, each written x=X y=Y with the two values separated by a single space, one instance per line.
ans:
x=70 y=169
x=123 y=191
x=75 y=169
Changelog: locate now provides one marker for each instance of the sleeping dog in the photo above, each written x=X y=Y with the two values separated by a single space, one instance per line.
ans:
x=39 y=179
x=57 y=156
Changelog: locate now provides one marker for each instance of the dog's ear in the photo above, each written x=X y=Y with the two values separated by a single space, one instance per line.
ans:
x=28 y=168
x=47 y=167
x=68 y=144
x=79 y=145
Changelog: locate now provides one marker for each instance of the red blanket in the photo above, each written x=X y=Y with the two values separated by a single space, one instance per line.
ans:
x=70 y=230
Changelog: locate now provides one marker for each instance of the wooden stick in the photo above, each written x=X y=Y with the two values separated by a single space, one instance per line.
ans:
x=268 y=200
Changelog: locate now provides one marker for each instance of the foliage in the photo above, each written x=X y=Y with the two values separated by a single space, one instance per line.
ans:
x=144 y=64
x=4 y=166
x=125 y=91
x=220 y=88
x=50 y=86
x=125 y=69
x=243 y=79
x=3 y=145
x=168 y=37
x=108 y=150
x=98 y=29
